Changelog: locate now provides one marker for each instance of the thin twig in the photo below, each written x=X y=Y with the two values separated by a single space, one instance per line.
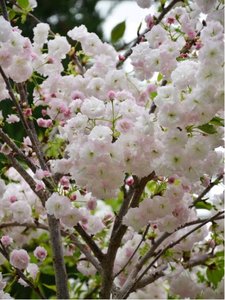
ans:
x=171 y=245
x=139 y=38
x=17 y=150
x=135 y=251
x=207 y=189
x=4 y=10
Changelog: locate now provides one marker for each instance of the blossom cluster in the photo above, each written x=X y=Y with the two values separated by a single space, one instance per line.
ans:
x=116 y=128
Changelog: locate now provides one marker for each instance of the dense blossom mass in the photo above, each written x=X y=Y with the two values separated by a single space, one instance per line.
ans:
x=120 y=161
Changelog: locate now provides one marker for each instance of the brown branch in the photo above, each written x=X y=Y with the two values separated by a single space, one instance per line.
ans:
x=90 y=242
x=201 y=260
x=43 y=195
x=4 y=10
x=135 y=251
x=72 y=237
x=17 y=150
x=132 y=281
x=58 y=258
x=117 y=234
x=171 y=245
x=83 y=248
x=207 y=189
x=139 y=189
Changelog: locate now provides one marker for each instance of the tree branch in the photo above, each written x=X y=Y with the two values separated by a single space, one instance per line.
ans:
x=90 y=242
x=17 y=150
x=207 y=189
x=4 y=10
x=132 y=281
x=135 y=251
x=72 y=237
x=171 y=245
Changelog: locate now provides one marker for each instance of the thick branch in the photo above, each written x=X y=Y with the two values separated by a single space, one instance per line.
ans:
x=58 y=258
x=117 y=234
x=139 y=189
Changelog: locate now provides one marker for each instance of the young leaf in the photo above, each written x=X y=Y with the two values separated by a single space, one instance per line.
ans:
x=217 y=121
x=207 y=128
x=214 y=275
x=23 y=3
x=204 y=205
x=118 y=32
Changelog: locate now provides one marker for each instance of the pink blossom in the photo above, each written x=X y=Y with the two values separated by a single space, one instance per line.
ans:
x=39 y=186
x=12 y=119
x=44 y=123
x=40 y=253
x=19 y=259
x=6 y=240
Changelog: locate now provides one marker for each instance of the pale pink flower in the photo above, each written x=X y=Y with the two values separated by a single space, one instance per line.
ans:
x=19 y=259
x=12 y=119
x=6 y=240
x=40 y=253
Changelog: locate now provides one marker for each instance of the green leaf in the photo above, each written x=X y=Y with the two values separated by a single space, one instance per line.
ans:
x=159 y=77
x=151 y=186
x=55 y=148
x=143 y=250
x=118 y=32
x=23 y=18
x=12 y=14
x=217 y=121
x=50 y=287
x=204 y=205
x=208 y=128
x=214 y=274
x=153 y=95
x=23 y=3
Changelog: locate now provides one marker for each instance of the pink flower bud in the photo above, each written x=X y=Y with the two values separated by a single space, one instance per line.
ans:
x=111 y=95
x=73 y=197
x=19 y=259
x=28 y=112
x=39 y=186
x=170 y=20
x=6 y=240
x=130 y=181
x=40 y=253
x=171 y=179
x=13 y=199
x=121 y=57
x=64 y=181
x=92 y=203
x=149 y=21
x=44 y=112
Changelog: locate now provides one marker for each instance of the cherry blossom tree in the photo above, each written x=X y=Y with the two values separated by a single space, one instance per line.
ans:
x=105 y=190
